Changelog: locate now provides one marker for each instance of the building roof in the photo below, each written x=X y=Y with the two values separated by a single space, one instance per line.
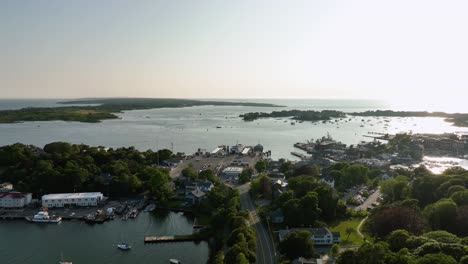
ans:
x=15 y=195
x=71 y=195
x=233 y=169
x=321 y=231
x=198 y=193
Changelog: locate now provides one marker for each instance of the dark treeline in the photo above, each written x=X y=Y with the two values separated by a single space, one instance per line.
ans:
x=458 y=119
x=308 y=115
x=65 y=167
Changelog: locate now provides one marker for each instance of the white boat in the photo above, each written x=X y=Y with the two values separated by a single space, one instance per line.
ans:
x=124 y=246
x=150 y=207
x=43 y=217
x=174 y=261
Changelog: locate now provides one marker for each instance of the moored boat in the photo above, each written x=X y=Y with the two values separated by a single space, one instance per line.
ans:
x=133 y=213
x=124 y=246
x=150 y=207
x=44 y=217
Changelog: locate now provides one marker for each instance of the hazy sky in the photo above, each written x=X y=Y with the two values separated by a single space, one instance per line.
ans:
x=234 y=49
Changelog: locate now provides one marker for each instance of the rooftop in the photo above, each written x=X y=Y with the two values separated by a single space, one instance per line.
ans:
x=72 y=195
x=233 y=169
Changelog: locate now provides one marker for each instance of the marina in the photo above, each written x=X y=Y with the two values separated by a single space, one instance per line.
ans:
x=83 y=243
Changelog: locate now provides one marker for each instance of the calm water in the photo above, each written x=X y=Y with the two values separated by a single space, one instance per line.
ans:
x=191 y=128
x=28 y=243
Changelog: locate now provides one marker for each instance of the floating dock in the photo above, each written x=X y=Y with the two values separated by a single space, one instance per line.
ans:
x=169 y=239
x=302 y=156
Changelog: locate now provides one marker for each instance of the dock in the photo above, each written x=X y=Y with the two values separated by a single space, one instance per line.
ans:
x=171 y=239
x=302 y=156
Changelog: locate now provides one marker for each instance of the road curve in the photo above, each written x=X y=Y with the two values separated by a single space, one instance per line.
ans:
x=266 y=253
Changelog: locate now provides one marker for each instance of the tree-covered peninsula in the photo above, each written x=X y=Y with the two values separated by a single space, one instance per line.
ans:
x=308 y=115
x=458 y=119
x=96 y=110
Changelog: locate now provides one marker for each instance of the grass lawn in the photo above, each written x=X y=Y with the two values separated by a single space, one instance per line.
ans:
x=354 y=238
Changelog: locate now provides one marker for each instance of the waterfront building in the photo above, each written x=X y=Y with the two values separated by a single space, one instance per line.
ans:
x=72 y=199
x=232 y=171
x=320 y=236
x=14 y=199
x=237 y=149
x=6 y=187
x=258 y=148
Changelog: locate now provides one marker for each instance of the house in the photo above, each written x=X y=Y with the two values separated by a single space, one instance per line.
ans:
x=278 y=187
x=14 y=199
x=321 y=236
x=72 y=199
x=195 y=191
x=205 y=186
x=328 y=180
x=277 y=216
x=6 y=187
x=232 y=171
x=195 y=196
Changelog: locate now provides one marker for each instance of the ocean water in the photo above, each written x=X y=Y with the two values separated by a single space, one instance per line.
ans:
x=187 y=129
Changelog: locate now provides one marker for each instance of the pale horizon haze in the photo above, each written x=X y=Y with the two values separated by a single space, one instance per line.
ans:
x=406 y=51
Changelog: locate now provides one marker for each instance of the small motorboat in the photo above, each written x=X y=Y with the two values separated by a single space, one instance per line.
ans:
x=150 y=208
x=174 y=261
x=124 y=246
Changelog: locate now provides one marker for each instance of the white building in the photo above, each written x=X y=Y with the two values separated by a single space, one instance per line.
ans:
x=320 y=236
x=6 y=187
x=72 y=199
x=232 y=171
x=14 y=199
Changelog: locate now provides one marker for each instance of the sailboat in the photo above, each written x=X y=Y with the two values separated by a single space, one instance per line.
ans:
x=62 y=261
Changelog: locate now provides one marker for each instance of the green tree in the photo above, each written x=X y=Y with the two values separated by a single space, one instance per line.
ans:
x=260 y=166
x=460 y=197
x=397 y=239
x=442 y=214
x=297 y=244
x=395 y=189
x=241 y=259
x=372 y=253
x=436 y=259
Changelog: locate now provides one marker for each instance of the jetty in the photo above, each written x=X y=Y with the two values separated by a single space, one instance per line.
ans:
x=172 y=239
x=297 y=154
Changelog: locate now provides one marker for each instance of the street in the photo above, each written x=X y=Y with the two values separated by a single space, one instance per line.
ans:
x=266 y=253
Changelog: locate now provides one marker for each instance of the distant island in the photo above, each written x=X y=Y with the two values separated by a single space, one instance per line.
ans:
x=308 y=115
x=458 y=119
x=96 y=110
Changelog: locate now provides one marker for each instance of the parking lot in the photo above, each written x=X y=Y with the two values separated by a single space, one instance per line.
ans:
x=216 y=163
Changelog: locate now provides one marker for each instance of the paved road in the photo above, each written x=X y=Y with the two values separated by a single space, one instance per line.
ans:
x=266 y=253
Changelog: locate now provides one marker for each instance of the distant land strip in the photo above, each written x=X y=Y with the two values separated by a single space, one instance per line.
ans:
x=457 y=119
x=96 y=110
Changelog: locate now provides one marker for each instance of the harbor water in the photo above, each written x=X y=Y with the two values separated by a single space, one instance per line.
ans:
x=32 y=243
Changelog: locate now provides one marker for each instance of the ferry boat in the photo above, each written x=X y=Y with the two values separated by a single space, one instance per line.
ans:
x=43 y=217
x=124 y=246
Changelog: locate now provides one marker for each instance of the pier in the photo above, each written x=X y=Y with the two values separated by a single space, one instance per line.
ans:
x=172 y=239
x=302 y=156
